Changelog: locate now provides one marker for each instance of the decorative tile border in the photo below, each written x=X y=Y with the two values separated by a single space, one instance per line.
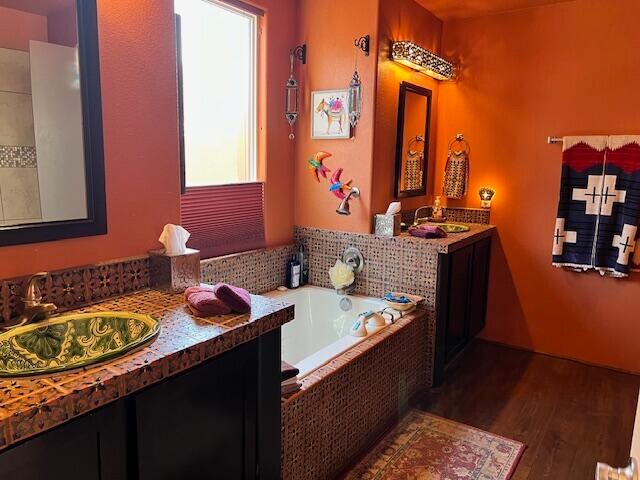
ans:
x=453 y=214
x=345 y=405
x=73 y=287
x=29 y=406
x=258 y=271
x=18 y=157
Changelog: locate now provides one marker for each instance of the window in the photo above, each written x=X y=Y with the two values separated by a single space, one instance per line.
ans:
x=222 y=203
x=218 y=44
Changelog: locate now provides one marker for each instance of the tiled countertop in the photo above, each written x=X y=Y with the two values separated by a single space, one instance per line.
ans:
x=455 y=241
x=29 y=406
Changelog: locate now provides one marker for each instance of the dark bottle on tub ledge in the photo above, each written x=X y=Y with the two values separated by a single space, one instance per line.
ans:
x=293 y=273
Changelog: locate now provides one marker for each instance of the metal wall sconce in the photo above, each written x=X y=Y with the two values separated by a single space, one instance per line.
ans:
x=355 y=85
x=291 y=93
x=420 y=59
x=486 y=194
x=363 y=44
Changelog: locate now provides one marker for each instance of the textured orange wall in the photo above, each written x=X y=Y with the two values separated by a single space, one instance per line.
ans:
x=401 y=20
x=17 y=28
x=137 y=55
x=329 y=27
x=562 y=69
x=279 y=29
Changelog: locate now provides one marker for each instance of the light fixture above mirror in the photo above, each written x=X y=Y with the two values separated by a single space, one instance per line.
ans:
x=418 y=58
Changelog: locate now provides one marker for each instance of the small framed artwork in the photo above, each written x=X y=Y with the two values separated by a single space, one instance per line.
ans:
x=329 y=114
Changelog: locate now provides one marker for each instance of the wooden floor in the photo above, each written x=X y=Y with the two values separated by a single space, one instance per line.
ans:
x=568 y=414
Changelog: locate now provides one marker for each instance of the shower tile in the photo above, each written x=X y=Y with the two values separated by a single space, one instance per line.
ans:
x=14 y=65
x=20 y=193
x=16 y=119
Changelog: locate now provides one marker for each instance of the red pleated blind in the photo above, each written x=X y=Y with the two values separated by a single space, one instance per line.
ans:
x=224 y=219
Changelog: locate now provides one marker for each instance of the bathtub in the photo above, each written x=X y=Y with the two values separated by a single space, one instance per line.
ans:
x=320 y=329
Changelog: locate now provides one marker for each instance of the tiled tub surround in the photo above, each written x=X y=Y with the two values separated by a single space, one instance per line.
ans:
x=32 y=405
x=402 y=263
x=345 y=405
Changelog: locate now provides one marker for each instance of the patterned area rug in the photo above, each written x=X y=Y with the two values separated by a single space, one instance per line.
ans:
x=426 y=447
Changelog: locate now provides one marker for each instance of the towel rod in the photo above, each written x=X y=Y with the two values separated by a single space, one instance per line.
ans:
x=552 y=140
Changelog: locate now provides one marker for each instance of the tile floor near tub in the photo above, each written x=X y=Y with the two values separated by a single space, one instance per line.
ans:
x=569 y=415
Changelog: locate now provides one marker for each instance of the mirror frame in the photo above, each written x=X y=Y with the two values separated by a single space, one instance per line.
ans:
x=96 y=221
x=404 y=88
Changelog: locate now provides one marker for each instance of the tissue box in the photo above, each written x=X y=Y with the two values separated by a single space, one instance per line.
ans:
x=387 y=225
x=174 y=273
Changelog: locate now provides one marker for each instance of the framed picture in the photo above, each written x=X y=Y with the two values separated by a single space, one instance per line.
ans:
x=330 y=114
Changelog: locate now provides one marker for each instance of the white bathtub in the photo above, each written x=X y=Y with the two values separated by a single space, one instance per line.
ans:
x=320 y=329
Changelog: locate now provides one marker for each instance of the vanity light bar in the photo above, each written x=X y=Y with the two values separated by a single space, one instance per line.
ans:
x=421 y=59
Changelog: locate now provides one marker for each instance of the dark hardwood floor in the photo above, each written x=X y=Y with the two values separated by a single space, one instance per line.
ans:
x=569 y=415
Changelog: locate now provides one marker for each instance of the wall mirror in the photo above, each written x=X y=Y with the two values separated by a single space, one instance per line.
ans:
x=412 y=144
x=51 y=151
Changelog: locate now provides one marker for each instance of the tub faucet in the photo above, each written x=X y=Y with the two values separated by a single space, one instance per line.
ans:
x=31 y=309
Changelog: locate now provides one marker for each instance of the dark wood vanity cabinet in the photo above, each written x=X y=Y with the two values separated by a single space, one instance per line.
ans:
x=219 y=420
x=463 y=277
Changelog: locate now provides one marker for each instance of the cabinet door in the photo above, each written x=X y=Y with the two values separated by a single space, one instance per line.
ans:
x=456 y=329
x=479 y=286
x=201 y=424
x=90 y=448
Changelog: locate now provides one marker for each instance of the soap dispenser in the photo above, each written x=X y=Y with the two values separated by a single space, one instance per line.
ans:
x=293 y=273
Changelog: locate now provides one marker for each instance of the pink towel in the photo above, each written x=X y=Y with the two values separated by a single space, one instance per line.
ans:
x=427 y=231
x=203 y=302
x=238 y=299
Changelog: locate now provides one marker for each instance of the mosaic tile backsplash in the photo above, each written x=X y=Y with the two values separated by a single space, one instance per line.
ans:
x=74 y=287
x=18 y=157
x=453 y=214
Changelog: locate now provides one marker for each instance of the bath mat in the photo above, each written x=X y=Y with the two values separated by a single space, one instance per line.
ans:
x=427 y=447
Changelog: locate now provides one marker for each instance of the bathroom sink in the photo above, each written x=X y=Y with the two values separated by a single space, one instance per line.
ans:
x=453 y=227
x=73 y=341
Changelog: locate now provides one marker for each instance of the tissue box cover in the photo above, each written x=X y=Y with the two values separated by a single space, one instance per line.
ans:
x=387 y=225
x=174 y=273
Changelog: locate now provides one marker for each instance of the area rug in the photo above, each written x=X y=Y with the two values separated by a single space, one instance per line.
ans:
x=427 y=447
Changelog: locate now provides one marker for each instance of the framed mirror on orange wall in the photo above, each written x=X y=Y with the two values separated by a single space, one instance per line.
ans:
x=412 y=144
x=51 y=148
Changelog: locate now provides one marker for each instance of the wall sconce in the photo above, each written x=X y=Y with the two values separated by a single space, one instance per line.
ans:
x=422 y=60
x=486 y=194
x=291 y=94
x=355 y=85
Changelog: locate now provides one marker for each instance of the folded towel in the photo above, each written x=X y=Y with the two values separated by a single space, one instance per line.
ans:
x=427 y=231
x=200 y=288
x=238 y=299
x=288 y=371
x=290 y=389
x=203 y=302
x=291 y=381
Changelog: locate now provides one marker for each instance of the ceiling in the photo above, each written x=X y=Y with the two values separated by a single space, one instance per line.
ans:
x=39 y=7
x=455 y=9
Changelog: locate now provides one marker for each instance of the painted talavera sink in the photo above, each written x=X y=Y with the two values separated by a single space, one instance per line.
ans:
x=73 y=341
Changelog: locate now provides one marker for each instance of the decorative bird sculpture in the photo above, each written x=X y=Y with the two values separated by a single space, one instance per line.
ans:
x=316 y=167
x=337 y=186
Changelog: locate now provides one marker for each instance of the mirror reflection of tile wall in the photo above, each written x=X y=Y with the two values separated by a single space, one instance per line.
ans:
x=19 y=188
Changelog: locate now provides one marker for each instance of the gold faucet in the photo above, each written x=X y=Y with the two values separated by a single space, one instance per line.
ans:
x=31 y=309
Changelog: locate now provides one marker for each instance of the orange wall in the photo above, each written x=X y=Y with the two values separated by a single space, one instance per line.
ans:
x=329 y=27
x=277 y=172
x=17 y=28
x=400 y=20
x=141 y=143
x=562 y=69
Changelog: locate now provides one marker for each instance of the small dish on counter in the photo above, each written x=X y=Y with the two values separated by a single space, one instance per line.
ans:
x=402 y=302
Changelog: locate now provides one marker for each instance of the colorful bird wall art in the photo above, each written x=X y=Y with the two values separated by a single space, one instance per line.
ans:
x=337 y=186
x=316 y=167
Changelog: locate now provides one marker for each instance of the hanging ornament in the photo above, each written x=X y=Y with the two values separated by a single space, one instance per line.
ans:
x=355 y=85
x=291 y=99
x=291 y=93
